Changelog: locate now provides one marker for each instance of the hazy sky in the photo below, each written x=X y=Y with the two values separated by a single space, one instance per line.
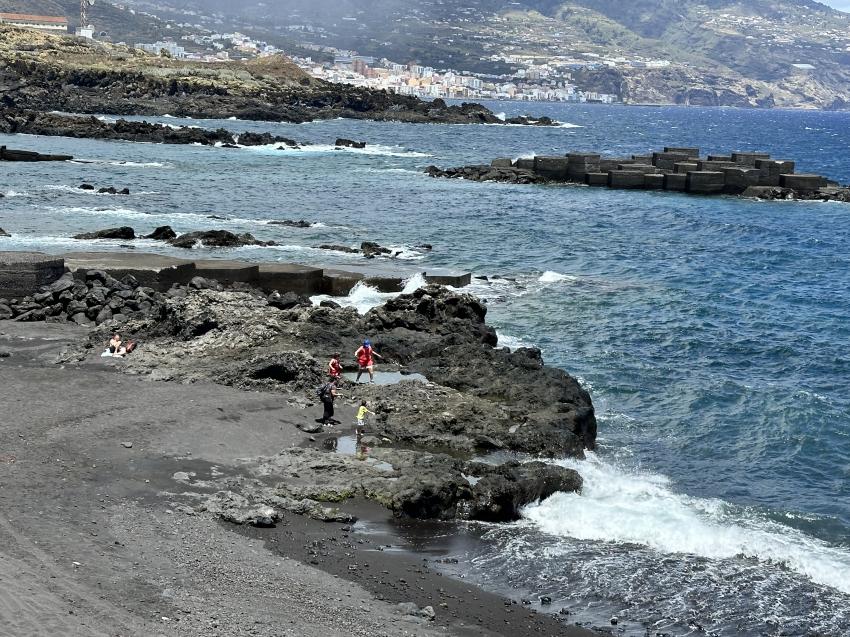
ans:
x=844 y=5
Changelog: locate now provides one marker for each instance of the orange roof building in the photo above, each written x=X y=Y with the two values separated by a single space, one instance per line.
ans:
x=42 y=22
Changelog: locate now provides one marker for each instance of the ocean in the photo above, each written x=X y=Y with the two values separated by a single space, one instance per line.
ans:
x=712 y=333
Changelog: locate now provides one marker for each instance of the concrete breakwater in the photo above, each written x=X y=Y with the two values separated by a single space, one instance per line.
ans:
x=748 y=174
x=8 y=154
x=22 y=273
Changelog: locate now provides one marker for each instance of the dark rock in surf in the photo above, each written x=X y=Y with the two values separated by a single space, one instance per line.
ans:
x=342 y=142
x=162 y=233
x=217 y=239
x=3 y=233
x=300 y=223
x=124 y=233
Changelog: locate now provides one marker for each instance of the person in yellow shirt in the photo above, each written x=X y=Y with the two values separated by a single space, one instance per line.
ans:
x=361 y=415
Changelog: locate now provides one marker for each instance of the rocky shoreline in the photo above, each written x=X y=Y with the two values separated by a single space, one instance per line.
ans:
x=430 y=444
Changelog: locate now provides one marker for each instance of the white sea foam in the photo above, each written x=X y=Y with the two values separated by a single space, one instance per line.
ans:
x=512 y=342
x=568 y=125
x=629 y=507
x=123 y=164
x=15 y=193
x=556 y=277
x=371 y=149
x=363 y=297
x=80 y=191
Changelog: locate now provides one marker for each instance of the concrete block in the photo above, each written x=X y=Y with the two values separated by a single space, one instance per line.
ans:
x=748 y=159
x=802 y=182
x=716 y=166
x=769 y=180
x=739 y=179
x=639 y=168
x=675 y=182
x=502 y=163
x=653 y=181
x=686 y=166
x=228 y=272
x=596 y=179
x=291 y=277
x=641 y=159
x=770 y=167
x=152 y=270
x=456 y=280
x=584 y=158
x=551 y=167
x=705 y=182
x=625 y=179
x=719 y=158
x=340 y=282
x=22 y=273
x=524 y=164
x=690 y=152
x=606 y=165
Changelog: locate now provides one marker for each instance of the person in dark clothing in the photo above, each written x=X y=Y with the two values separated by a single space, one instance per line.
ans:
x=327 y=396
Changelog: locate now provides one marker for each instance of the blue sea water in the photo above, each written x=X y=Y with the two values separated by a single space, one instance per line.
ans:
x=712 y=333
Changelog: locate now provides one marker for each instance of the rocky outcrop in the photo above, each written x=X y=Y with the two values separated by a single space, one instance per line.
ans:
x=411 y=484
x=368 y=249
x=216 y=239
x=485 y=172
x=124 y=232
x=3 y=233
x=265 y=139
x=342 y=142
x=292 y=223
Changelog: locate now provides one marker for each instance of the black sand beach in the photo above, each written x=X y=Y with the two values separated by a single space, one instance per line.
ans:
x=96 y=538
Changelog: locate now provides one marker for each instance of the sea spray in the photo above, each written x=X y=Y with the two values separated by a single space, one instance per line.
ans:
x=363 y=297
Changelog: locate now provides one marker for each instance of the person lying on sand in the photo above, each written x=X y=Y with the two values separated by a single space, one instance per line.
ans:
x=117 y=348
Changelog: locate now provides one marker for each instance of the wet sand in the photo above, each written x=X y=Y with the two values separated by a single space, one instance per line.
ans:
x=93 y=542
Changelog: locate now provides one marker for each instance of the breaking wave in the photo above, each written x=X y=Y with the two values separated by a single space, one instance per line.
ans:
x=363 y=297
x=629 y=507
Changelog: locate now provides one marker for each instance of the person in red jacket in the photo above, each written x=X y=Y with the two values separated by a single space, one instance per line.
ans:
x=365 y=360
x=335 y=368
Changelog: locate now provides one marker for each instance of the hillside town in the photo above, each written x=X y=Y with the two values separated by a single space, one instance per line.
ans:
x=534 y=80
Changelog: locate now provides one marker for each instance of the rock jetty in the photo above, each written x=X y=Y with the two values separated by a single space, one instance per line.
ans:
x=746 y=174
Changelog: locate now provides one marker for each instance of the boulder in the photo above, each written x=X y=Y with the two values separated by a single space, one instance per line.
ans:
x=3 y=233
x=217 y=239
x=342 y=142
x=162 y=233
x=288 y=300
x=124 y=233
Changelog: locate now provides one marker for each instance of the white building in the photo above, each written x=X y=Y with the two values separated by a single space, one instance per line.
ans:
x=51 y=24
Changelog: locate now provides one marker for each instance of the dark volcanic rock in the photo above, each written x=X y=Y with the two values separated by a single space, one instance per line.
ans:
x=265 y=139
x=338 y=248
x=162 y=233
x=370 y=249
x=288 y=300
x=3 y=233
x=300 y=223
x=489 y=173
x=342 y=142
x=217 y=239
x=124 y=232
x=86 y=187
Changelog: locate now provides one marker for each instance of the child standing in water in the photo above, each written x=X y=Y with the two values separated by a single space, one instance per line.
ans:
x=361 y=424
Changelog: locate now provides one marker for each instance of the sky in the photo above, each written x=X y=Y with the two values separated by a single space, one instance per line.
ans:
x=844 y=5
